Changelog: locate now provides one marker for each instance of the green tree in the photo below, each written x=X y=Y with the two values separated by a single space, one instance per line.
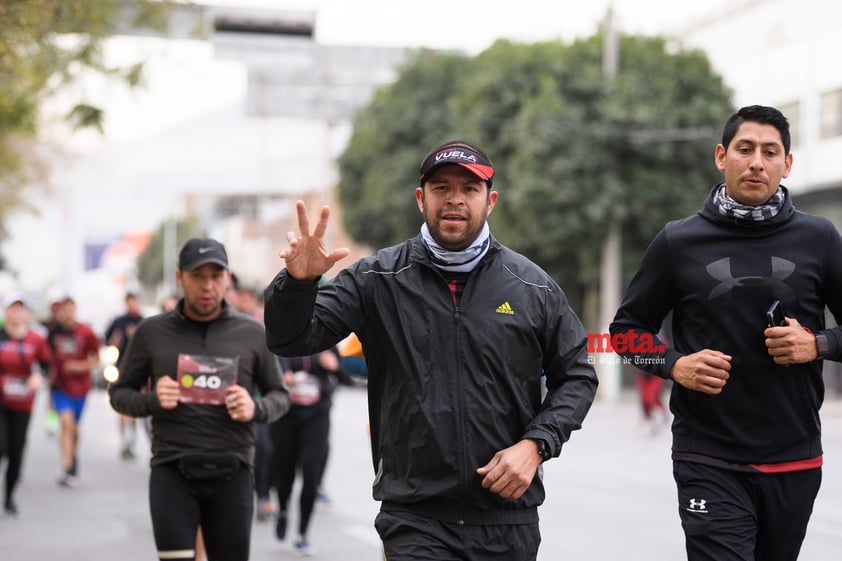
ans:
x=573 y=151
x=45 y=45
x=379 y=166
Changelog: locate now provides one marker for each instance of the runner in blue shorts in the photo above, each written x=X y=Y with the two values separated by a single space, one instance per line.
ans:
x=75 y=352
x=63 y=402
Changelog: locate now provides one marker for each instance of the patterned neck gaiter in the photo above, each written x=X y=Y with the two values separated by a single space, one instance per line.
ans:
x=457 y=261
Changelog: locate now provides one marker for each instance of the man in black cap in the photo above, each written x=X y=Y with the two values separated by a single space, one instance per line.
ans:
x=204 y=363
x=457 y=331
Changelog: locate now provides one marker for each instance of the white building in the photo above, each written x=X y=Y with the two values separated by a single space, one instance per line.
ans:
x=784 y=54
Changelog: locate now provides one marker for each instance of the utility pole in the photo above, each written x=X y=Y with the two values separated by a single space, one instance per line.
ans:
x=170 y=253
x=608 y=366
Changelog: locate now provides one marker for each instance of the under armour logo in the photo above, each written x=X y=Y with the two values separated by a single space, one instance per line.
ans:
x=781 y=269
x=698 y=506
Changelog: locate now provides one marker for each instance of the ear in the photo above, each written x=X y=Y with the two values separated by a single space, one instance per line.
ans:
x=419 y=198
x=492 y=200
x=719 y=157
x=787 y=165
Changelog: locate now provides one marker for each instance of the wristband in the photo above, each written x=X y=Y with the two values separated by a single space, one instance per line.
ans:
x=543 y=449
x=821 y=346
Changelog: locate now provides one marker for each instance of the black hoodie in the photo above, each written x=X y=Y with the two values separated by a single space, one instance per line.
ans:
x=153 y=352
x=719 y=275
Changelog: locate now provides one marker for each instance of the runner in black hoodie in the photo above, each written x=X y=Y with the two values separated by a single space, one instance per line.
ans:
x=747 y=434
x=203 y=364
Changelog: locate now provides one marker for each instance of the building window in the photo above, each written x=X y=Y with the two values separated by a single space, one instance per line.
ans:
x=831 y=118
x=792 y=112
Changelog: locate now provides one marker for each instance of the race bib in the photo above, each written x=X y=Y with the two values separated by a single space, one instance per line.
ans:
x=304 y=389
x=15 y=390
x=204 y=379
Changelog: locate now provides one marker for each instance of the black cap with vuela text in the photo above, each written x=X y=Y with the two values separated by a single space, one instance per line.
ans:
x=458 y=153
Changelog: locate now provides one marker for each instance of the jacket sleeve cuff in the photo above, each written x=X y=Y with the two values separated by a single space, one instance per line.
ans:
x=670 y=358
x=552 y=443
x=259 y=411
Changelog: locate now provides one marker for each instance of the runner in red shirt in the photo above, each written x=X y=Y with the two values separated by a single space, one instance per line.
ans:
x=20 y=350
x=75 y=351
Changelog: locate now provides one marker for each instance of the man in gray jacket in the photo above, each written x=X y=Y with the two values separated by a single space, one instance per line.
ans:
x=203 y=362
x=457 y=331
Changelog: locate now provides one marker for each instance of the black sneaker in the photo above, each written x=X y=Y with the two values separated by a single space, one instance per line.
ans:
x=11 y=508
x=281 y=525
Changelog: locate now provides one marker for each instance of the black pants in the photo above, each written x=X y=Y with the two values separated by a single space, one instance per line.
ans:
x=262 y=460
x=13 y=427
x=736 y=516
x=224 y=508
x=300 y=442
x=411 y=537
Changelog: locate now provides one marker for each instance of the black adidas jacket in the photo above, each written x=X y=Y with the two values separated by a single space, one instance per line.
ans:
x=719 y=276
x=153 y=352
x=448 y=387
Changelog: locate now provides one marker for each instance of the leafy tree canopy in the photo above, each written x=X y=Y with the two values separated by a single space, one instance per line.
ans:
x=573 y=151
x=45 y=45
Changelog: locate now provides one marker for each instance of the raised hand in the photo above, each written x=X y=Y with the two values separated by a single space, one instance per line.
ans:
x=306 y=257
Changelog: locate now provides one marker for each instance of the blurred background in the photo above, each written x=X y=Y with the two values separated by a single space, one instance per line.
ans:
x=127 y=126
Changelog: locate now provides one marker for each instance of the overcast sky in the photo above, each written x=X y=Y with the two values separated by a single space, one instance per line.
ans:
x=473 y=25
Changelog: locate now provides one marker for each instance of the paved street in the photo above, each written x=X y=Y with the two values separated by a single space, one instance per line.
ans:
x=611 y=495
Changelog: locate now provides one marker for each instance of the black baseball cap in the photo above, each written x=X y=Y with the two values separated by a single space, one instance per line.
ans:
x=198 y=251
x=458 y=153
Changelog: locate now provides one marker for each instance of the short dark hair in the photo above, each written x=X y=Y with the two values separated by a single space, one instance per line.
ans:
x=757 y=114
